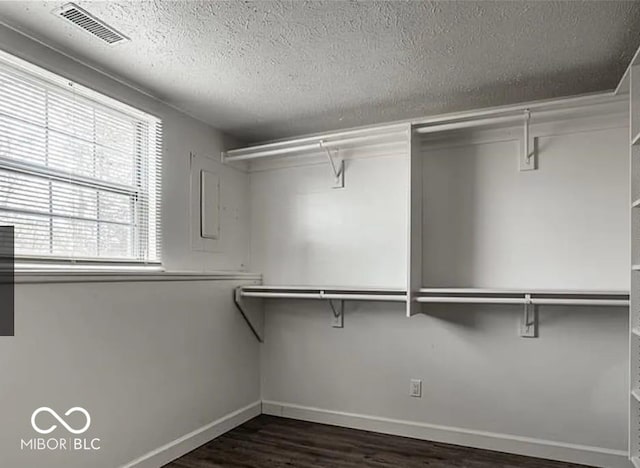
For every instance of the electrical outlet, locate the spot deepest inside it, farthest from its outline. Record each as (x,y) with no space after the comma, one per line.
(416,388)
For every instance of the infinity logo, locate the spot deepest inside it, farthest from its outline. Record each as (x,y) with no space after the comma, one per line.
(76,409)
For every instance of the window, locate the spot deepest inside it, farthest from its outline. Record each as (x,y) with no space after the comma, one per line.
(80,172)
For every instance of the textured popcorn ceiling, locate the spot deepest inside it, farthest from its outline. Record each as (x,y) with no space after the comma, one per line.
(267,69)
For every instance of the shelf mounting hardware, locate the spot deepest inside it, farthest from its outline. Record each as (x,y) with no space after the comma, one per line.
(336,164)
(253,312)
(250,300)
(337,318)
(528,154)
(529,323)
(337,313)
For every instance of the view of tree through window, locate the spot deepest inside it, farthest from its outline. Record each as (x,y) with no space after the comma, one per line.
(79,179)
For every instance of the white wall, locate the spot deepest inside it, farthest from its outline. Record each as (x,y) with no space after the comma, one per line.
(562,395)
(306,233)
(563,226)
(569,386)
(151,361)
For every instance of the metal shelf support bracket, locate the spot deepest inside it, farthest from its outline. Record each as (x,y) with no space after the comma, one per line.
(336,164)
(337,314)
(529,321)
(252,309)
(528,155)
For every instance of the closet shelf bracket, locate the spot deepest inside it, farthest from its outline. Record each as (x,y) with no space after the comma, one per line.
(337,313)
(252,309)
(528,153)
(529,323)
(336,164)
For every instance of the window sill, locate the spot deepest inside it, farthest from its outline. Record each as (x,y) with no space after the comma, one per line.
(57,276)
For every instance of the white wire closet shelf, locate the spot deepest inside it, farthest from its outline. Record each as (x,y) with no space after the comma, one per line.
(518,296)
(254,313)
(441,295)
(318,143)
(324,293)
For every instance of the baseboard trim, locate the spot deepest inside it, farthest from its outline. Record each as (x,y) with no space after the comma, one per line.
(574,453)
(185,444)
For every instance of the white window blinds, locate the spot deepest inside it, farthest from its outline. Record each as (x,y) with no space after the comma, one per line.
(80,173)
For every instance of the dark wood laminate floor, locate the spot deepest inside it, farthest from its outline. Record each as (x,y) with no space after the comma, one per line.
(268,441)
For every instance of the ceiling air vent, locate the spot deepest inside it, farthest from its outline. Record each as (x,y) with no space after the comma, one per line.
(90,23)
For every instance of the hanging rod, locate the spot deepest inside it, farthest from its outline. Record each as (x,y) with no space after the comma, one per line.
(544,105)
(534,301)
(437,123)
(539,292)
(343,297)
(443,295)
(528,327)
(316,143)
(582,302)
(253,311)
(535,297)
(512,116)
(342,294)
(470,300)
(435,128)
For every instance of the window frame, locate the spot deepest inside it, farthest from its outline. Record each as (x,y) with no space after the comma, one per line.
(147,176)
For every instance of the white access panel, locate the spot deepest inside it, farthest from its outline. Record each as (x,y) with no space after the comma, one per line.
(218,209)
